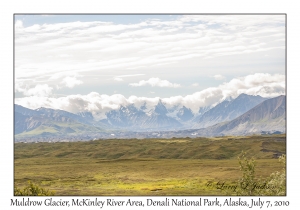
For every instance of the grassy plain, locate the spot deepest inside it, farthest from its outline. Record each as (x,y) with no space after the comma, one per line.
(143,167)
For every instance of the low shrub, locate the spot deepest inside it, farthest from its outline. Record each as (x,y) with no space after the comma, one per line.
(32,190)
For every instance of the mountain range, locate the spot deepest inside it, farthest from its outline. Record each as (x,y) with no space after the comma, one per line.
(243,115)
(227,110)
(268,116)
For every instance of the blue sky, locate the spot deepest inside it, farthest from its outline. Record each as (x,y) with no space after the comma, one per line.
(195,60)
(29,20)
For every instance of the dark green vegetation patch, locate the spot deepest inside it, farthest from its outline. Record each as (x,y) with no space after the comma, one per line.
(181,148)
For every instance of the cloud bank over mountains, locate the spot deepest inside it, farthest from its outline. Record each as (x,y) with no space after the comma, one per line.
(98,63)
(262,84)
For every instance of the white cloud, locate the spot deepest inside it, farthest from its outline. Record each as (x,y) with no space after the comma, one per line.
(71,82)
(19,87)
(60,75)
(68,53)
(118,79)
(100,46)
(219,77)
(155,82)
(39,90)
(130,75)
(93,102)
(19,24)
(265,85)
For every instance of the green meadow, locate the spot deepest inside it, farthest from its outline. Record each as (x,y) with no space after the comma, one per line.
(178,166)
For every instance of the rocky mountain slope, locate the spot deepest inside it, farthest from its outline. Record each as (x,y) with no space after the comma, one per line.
(227,110)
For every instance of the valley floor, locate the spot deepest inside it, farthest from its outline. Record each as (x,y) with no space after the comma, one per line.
(147,167)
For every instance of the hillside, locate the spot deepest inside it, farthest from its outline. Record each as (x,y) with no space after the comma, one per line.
(269,115)
(227,110)
(181,148)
